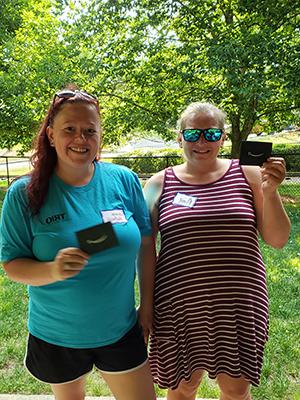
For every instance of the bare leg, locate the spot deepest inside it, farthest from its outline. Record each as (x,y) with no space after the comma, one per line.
(132,385)
(233,388)
(70,391)
(187,390)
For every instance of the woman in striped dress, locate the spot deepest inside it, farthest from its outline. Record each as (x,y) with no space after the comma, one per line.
(211,301)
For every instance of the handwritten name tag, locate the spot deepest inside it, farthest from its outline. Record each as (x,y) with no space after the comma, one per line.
(184,200)
(114,216)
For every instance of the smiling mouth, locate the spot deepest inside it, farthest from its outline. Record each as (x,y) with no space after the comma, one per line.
(78,150)
(201,151)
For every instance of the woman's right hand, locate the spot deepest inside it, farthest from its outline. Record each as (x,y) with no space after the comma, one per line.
(68,262)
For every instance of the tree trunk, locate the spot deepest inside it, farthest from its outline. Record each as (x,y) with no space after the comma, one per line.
(235,135)
(240,133)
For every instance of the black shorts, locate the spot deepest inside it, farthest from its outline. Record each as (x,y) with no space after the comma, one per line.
(57,364)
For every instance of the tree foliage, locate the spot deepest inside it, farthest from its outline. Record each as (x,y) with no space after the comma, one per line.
(32,65)
(146,60)
(10,21)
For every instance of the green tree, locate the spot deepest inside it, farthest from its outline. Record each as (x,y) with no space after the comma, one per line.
(161,55)
(146,60)
(30,61)
(10,21)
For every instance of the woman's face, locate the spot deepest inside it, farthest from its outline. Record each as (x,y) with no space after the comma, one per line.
(202,149)
(75,134)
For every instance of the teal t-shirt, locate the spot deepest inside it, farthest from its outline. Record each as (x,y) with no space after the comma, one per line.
(97,306)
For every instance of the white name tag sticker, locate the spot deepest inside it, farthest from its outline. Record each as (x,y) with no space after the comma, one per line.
(114,216)
(184,200)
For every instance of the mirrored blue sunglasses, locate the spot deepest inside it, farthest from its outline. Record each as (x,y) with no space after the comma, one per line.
(210,134)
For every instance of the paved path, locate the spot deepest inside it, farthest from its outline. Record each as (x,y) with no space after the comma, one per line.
(42,397)
(49,397)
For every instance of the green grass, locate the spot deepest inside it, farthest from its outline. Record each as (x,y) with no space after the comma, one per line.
(281,370)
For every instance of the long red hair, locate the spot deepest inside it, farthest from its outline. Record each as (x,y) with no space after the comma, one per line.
(44,158)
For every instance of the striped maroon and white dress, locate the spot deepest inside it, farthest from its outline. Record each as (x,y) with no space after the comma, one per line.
(211,301)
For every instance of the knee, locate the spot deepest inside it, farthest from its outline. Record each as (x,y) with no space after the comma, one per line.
(187,389)
(234,389)
(235,393)
(184,391)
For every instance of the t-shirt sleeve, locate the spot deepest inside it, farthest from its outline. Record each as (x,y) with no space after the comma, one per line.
(15,229)
(140,210)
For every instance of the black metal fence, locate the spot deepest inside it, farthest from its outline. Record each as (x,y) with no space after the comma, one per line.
(145,166)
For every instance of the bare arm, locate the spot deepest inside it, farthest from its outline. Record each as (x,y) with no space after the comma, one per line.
(146,265)
(273,223)
(146,271)
(152,192)
(67,263)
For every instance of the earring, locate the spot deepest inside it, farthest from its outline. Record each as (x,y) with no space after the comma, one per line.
(51,143)
(97,157)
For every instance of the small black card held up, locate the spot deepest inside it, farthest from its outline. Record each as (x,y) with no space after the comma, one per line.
(97,238)
(255,153)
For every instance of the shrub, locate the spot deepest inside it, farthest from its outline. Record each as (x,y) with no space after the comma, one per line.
(148,162)
(291,154)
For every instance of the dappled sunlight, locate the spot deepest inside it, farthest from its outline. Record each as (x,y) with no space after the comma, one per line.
(295,262)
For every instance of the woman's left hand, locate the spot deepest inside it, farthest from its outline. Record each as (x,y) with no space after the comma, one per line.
(273,172)
(146,319)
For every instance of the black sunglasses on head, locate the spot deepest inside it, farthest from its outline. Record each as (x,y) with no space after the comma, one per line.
(210,134)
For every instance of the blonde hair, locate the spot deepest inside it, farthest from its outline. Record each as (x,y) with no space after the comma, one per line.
(196,108)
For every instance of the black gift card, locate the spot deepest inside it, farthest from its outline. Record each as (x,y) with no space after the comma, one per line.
(255,153)
(97,238)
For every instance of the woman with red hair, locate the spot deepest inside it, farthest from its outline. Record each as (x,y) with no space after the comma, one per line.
(81,299)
